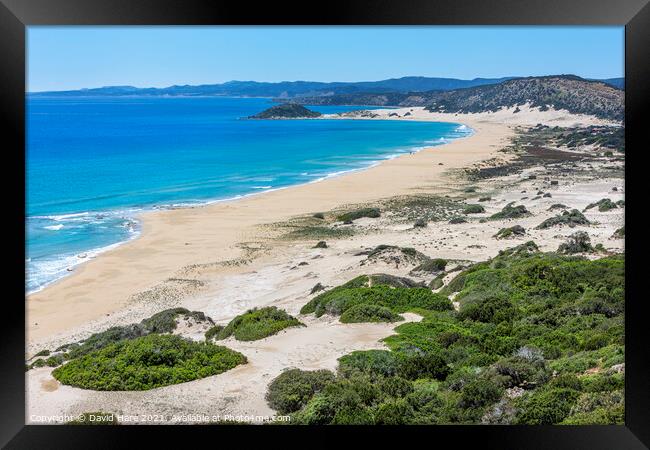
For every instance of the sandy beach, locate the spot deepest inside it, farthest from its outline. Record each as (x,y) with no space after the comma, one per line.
(225,258)
(172,240)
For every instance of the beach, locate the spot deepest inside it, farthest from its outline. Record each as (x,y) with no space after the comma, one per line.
(227,257)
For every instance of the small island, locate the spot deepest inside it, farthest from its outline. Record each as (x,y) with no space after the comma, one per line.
(286,111)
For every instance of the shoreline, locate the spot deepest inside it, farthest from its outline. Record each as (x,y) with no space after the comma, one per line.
(96,252)
(175,239)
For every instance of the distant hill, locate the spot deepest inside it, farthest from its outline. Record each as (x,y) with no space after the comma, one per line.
(284,89)
(286,111)
(575,94)
(571,93)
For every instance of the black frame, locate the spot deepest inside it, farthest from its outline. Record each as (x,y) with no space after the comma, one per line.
(15,15)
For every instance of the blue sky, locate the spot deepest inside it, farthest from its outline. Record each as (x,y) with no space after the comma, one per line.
(74,57)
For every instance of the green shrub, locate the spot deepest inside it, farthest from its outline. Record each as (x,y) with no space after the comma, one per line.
(426,365)
(619,233)
(570,218)
(473,209)
(523,371)
(369,313)
(55,360)
(546,407)
(337,301)
(292,389)
(506,233)
(147,362)
(603,205)
(479,393)
(510,212)
(491,309)
(257,324)
(431,266)
(394,412)
(371,362)
(395,387)
(358,214)
(213,331)
(353,416)
(457,219)
(578,242)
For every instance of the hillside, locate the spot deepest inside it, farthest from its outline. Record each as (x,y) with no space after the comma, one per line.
(286,111)
(284,89)
(291,89)
(574,94)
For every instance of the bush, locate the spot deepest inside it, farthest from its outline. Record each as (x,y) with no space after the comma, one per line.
(213,331)
(546,407)
(358,214)
(479,393)
(427,365)
(578,242)
(292,389)
(394,412)
(494,309)
(570,218)
(510,212)
(399,300)
(369,313)
(524,372)
(505,233)
(457,219)
(395,387)
(371,362)
(603,205)
(473,209)
(321,244)
(319,216)
(146,363)
(431,266)
(257,324)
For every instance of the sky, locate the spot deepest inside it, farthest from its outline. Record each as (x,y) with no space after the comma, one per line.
(75,57)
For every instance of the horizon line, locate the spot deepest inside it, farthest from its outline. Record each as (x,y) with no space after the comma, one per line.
(315,81)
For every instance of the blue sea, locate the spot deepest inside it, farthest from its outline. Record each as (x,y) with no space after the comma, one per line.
(94,164)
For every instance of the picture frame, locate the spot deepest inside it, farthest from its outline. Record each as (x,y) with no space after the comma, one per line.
(16,15)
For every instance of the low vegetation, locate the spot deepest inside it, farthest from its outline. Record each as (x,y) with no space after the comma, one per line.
(538,339)
(257,324)
(358,214)
(603,205)
(147,362)
(510,212)
(578,242)
(291,390)
(510,232)
(163,322)
(473,209)
(388,293)
(569,218)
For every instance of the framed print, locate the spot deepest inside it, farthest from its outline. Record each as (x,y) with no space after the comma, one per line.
(385,219)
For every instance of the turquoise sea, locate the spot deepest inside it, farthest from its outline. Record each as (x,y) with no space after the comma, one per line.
(94,164)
